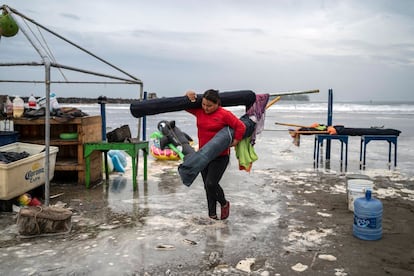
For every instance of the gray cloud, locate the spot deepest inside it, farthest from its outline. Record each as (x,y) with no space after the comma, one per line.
(248,31)
(71,16)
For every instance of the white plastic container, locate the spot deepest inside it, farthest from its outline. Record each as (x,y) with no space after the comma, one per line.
(21,176)
(54,104)
(32,103)
(354,176)
(18,107)
(9,107)
(357,189)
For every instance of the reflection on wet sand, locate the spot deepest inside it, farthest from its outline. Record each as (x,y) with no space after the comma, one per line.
(163,229)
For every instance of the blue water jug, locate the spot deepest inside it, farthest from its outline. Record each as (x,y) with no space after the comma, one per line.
(367,218)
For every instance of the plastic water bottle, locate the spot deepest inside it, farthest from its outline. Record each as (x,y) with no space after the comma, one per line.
(9,107)
(367,218)
(18,107)
(32,102)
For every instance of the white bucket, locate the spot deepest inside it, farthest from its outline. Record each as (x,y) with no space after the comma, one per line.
(353,176)
(356,189)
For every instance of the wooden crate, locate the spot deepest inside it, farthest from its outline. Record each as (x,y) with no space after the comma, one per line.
(70,156)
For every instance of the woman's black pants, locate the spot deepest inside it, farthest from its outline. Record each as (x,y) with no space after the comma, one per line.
(212,175)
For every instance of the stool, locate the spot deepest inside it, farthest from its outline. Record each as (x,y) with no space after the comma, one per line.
(319,143)
(131,148)
(365,139)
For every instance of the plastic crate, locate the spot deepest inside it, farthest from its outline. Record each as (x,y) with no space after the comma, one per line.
(21,176)
(8,137)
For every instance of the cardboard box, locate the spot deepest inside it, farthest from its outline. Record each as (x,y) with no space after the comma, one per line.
(21,176)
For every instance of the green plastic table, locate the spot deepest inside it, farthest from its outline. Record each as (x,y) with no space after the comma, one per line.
(131,148)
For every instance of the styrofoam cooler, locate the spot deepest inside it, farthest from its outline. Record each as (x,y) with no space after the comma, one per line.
(23,175)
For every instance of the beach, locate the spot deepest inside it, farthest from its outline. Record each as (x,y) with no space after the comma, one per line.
(286,218)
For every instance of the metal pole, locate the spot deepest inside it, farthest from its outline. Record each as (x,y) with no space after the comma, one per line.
(330,105)
(39,51)
(102,101)
(47,64)
(293,92)
(47,132)
(73,44)
(329,123)
(141,95)
(144,122)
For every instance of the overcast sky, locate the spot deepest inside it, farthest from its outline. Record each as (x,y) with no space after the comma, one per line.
(363,50)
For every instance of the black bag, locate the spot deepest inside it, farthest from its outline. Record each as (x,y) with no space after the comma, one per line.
(120,134)
(250,125)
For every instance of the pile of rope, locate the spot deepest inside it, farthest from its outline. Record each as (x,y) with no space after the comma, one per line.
(41,220)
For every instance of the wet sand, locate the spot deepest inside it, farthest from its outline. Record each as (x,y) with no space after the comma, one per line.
(281,222)
(286,218)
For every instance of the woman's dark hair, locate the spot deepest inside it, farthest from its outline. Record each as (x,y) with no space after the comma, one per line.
(212,95)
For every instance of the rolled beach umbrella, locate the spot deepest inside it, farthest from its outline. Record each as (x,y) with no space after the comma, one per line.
(140,108)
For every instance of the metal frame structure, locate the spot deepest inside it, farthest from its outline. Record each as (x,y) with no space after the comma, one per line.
(47,63)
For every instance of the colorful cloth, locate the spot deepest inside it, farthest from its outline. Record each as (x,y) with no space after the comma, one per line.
(257,111)
(246,154)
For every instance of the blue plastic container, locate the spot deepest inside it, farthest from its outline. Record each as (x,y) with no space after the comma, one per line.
(367,218)
(8,137)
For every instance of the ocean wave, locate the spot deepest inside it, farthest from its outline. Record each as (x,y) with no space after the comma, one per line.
(346,108)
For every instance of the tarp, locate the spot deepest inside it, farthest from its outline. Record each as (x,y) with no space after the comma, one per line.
(341,130)
(351,131)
